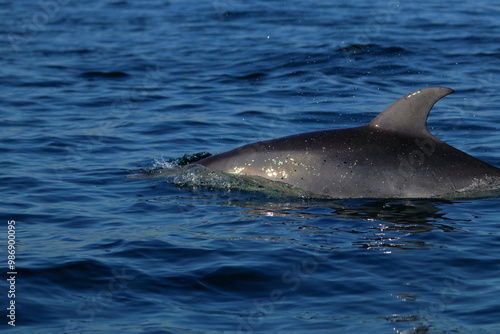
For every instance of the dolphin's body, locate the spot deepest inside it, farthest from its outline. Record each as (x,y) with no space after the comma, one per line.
(394,156)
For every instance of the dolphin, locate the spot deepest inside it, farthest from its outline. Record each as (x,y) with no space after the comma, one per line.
(393,156)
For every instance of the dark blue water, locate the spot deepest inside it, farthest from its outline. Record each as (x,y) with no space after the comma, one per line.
(94,92)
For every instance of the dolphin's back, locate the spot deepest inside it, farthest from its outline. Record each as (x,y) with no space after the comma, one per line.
(392,156)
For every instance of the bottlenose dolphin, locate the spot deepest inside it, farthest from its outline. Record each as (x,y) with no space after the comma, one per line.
(394,156)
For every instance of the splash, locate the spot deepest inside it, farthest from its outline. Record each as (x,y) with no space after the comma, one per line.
(183,172)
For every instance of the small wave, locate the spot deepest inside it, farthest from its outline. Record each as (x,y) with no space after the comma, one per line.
(112,74)
(371,48)
(251,76)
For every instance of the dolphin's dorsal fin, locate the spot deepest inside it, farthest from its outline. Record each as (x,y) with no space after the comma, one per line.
(409,113)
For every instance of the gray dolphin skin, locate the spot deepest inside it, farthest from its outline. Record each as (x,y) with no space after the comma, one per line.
(394,156)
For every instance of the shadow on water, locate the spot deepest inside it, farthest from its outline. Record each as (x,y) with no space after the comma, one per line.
(405,212)
(359,216)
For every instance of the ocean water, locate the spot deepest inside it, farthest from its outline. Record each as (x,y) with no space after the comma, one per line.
(97,93)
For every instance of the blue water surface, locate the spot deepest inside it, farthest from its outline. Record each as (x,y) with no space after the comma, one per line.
(95,93)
